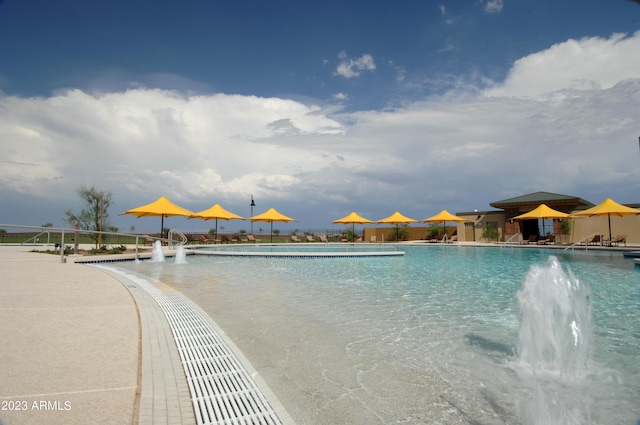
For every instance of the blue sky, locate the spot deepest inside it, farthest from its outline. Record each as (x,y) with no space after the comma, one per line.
(317,109)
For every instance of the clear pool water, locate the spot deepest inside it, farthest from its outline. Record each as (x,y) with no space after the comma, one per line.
(429,337)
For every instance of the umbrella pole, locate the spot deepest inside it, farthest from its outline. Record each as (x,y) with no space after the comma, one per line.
(609,215)
(162,226)
(271,236)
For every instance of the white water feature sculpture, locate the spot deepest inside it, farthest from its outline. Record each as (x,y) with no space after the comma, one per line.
(157,255)
(554,347)
(181,255)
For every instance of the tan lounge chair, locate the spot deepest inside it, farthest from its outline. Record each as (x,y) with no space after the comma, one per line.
(252,238)
(617,240)
(204,239)
(373,239)
(310,238)
(549,240)
(294,238)
(533,239)
(323,238)
(596,240)
(148,239)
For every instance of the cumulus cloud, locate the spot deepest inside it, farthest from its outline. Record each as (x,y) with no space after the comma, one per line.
(559,123)
(494,6)
(588,63)
(350,68)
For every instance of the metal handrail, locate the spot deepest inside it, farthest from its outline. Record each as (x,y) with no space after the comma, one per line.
(63,230)
(586,245)
(36,237)
(179,233)
(509,240)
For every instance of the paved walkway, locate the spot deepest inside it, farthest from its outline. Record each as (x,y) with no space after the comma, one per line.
(72,351)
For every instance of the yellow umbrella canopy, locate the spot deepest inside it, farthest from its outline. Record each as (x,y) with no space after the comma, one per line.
(352,219)
(444,216)
(396,218)
(608,207)
(216,212)
(161,207)
(541,211)
(270,216)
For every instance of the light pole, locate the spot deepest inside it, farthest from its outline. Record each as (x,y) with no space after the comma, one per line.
(253,204)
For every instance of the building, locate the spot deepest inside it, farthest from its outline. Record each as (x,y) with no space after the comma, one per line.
(509,229)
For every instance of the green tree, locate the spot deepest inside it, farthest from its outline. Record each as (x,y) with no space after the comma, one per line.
(490,233)
(348,233)
(400,233)
(94,215)
(435,231)
(565,226)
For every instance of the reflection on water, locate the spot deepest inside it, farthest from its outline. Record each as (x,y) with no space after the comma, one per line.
(424,338)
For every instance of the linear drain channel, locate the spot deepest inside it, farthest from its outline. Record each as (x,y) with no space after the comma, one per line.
(222,391)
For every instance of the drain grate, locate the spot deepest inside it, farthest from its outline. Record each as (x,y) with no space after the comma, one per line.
(222,391)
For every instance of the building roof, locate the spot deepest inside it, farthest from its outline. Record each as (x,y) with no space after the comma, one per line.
(537,198)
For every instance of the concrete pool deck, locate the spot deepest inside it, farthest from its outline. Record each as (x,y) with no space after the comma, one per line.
(86,345)
(81,346)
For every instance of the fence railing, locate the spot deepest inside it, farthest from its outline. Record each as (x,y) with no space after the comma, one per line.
(510,240)
(75,236)
(585,241)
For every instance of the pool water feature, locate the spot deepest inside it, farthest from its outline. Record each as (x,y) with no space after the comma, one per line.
(431,337)
(181,255)
(157,256)
(554,346)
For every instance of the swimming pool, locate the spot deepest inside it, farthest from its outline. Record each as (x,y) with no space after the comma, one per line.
(429,337)
(304,250)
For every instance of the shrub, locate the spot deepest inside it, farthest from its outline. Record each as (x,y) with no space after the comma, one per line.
(490,234)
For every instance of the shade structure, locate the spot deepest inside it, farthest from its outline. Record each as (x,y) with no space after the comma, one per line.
(541,212)
(397,219)
(270,216)
(216,213)
(161,207)
(352,219)
(444,216)
(608,207)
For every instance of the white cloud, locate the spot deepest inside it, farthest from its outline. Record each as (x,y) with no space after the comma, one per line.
(350,68)
(558,124)
(340,97)
(574,64)
(494,6)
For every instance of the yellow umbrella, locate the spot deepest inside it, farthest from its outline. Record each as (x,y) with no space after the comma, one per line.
(216,212)
(161,207)
(396,218)
(444,216)
(352,219)
(608,207)
(270,216)
(543,212)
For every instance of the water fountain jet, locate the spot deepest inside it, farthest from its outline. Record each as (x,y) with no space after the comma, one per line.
(554,346)
(181,255)
(157,256)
